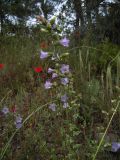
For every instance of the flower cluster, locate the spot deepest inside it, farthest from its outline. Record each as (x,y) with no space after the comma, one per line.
(56,73)
(18,120)
(64,69)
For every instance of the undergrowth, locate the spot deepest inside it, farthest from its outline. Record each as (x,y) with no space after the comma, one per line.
(69,131)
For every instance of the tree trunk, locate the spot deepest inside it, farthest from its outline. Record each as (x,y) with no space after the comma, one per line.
(79,14)
(2,17)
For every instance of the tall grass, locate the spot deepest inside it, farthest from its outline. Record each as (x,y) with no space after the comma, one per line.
(42,132)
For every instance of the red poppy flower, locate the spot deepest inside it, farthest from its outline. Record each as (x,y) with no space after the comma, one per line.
(1,66)
(43,45)
(38,69)
(13,109)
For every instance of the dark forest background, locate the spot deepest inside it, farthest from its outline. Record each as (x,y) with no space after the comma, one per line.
(81,17)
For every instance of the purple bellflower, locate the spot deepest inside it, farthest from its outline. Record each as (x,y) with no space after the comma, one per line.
(65,105)
(48,84)
(52,107)
(64,68)
(18,122)
(115,147)
(5,110)
(43,54)
(64,81)
(19,119)
(18,125)
(54,75)
(50,70)
(64,98)
(65,42)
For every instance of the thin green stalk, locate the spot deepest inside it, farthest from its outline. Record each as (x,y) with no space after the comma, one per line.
(8,143)
(84,47)
(101,141)
(5,96)
(114,58)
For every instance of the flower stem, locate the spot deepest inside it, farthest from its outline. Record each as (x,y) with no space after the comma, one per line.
(29,116)
(101,141)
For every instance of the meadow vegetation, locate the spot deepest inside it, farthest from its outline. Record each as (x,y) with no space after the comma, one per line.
(31,128)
